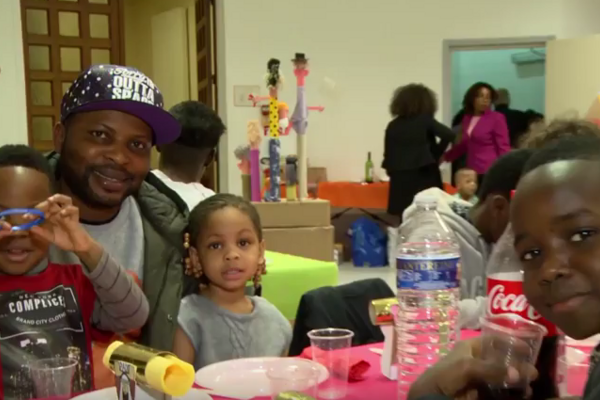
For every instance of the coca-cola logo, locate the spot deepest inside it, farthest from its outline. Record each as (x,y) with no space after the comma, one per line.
(500,302)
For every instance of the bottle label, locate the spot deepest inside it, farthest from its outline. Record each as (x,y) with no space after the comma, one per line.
(506,297)
(428,274)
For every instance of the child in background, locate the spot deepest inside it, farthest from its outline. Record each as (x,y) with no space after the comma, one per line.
(49,310)
(220,323)
(466,184)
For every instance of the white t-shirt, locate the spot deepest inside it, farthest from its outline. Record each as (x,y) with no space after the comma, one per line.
(191,193)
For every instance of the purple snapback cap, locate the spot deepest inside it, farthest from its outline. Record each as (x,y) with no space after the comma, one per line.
(114,87)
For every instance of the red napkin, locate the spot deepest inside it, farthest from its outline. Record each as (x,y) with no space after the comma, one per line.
(357,367)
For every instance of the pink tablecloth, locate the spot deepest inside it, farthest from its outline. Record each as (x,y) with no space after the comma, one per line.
(377,386)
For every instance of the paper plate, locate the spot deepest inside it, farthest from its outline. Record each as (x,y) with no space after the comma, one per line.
(246,377)
(111,394)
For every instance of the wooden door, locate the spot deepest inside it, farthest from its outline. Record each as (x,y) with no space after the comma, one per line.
(60,39)
(207,78)
(572,79)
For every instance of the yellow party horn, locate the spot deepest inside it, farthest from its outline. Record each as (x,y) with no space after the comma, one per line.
(160,370)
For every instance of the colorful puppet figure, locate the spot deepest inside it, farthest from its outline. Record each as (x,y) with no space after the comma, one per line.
(274,80)
(299,120)
(254,139)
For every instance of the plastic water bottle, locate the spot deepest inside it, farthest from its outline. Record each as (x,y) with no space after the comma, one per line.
(428,281)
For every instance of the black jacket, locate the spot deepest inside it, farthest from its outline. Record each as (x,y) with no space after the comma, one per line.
(517,122)
(410,143)
(344,306)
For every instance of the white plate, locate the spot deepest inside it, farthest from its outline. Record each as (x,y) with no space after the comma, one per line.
(245,377)
(111,394)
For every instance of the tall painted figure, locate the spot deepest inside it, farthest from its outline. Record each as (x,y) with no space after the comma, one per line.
(299,120)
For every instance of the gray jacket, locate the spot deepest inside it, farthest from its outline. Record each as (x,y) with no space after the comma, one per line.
(164,219)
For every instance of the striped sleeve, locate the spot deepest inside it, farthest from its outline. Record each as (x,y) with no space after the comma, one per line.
(121,305)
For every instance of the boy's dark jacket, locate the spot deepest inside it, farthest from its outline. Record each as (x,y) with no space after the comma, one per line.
(164,218)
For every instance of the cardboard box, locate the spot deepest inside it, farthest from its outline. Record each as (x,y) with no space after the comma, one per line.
(316,174)
(311,242)
(294,214)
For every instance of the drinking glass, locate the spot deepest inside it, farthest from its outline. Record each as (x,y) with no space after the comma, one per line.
(573,372)
(331,348)
(512,341)
(53,378)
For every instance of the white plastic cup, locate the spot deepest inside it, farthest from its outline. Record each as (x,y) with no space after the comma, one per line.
(53,378)
(331,348)
(513,341)
(293,375)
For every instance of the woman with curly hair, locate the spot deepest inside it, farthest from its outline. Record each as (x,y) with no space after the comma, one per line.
(484,132)
(414,142)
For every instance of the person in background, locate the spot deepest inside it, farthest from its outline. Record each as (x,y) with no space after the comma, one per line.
(110,119)
(466,184)
(555,218)
(183,162)
(484,132)
(477,227)
(517,121)
(220,322)
(70,304)
(559,129)
(414,143)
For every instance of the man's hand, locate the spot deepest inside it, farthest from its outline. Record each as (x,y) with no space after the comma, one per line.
(460,373)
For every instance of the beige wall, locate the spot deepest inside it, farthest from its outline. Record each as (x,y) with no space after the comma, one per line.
(359,53)
(13,104)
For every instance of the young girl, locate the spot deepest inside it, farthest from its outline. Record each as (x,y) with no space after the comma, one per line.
(220,323)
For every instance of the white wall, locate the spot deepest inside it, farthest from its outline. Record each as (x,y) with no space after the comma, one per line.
(526,82)
(367,49)
(13,104)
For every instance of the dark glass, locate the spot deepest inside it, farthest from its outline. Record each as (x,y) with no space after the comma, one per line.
(544,387)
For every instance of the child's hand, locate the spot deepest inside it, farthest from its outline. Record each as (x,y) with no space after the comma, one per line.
(62,227)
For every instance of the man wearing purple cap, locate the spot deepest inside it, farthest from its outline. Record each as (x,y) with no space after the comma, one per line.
(111,117)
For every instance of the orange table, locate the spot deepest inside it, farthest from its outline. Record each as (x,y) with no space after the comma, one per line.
(355,195)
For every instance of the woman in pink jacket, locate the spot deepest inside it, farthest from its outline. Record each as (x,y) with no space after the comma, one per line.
(484,132)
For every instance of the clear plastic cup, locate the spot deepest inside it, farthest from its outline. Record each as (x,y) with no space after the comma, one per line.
(53,378)
(293,375)
(513,341)
(573,370)
(331,348)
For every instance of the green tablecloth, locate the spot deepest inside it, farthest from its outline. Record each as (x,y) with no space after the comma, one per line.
(289,277)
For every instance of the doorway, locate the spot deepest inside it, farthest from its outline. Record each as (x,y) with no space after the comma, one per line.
(521,71)
(451,46)
(503,62)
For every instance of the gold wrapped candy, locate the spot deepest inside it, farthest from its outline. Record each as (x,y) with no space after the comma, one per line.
(380,311)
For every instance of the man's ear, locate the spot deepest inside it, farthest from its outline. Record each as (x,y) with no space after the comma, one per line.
(59,133)
(211,156)
(500,204)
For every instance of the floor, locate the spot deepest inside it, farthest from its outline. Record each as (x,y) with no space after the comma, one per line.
(350,273)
